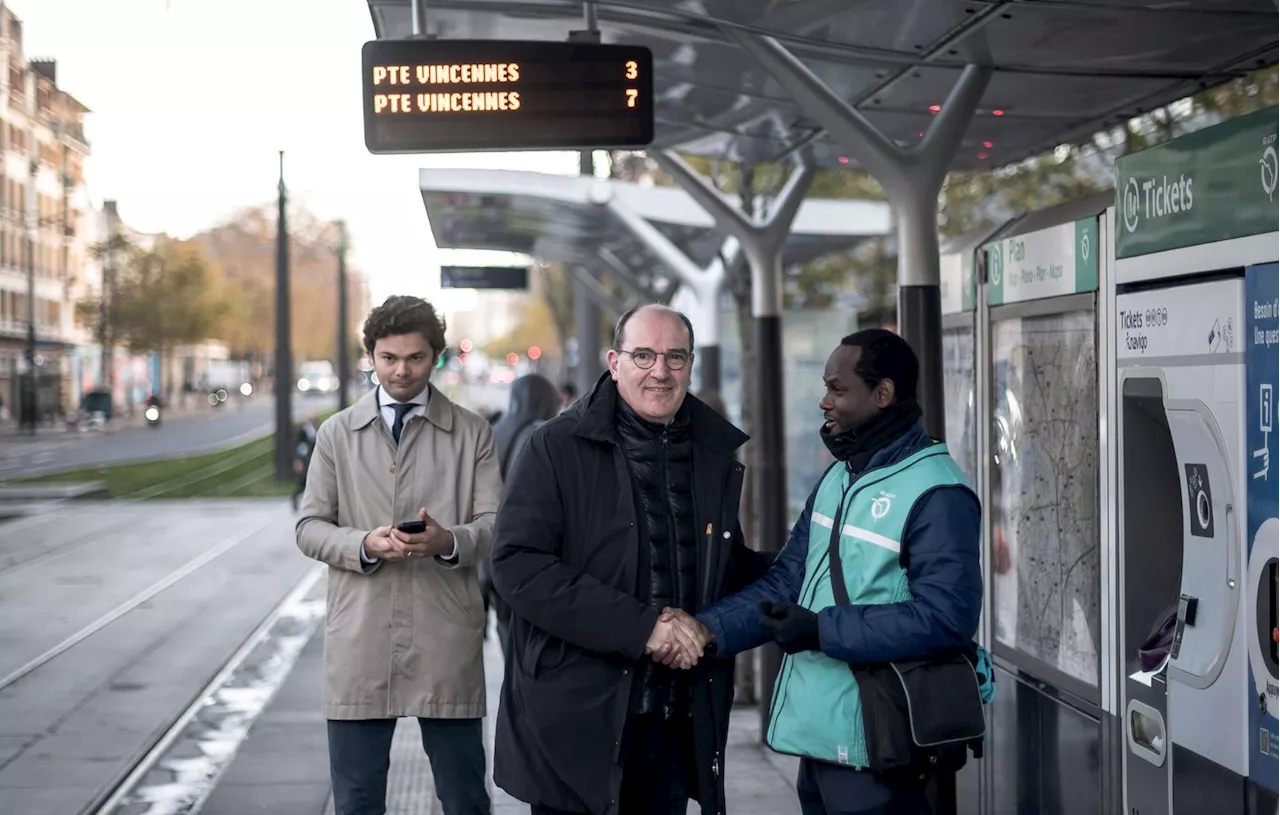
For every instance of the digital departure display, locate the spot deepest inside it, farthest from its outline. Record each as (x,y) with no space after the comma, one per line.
(431,96)
(484,277)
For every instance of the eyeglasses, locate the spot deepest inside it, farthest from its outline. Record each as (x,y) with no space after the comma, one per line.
(644,358)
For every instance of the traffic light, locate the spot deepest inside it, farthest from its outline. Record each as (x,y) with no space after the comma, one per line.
(535,352)
(513,358)
(465,346)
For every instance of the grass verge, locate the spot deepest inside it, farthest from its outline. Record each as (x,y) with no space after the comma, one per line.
(244,471)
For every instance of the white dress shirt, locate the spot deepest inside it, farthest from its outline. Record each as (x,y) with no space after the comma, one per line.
(388,414)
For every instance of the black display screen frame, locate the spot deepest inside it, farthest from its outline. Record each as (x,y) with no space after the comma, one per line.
(510,278)
(565,95)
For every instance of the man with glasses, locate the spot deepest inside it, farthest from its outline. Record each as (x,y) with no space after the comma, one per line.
(621,513)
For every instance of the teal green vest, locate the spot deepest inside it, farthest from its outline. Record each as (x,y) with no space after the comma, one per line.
(816,711)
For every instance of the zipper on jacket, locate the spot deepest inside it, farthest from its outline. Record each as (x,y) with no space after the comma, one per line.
(673,557)
(673,532)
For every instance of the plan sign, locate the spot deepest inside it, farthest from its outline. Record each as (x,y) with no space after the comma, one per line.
(1212,185)
(1185,321)
(1051,262)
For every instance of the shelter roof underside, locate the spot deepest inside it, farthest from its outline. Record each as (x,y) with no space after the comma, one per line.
(1064,69)
(566,219)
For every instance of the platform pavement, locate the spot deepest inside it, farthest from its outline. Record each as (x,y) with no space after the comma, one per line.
(282,766)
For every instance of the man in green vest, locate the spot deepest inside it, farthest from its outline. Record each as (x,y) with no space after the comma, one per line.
(909,529)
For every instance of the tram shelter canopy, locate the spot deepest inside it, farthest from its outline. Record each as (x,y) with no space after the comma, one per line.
(567,219)
(1063,69)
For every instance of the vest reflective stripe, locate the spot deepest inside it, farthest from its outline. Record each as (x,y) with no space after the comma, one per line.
(816,709)
(857,532)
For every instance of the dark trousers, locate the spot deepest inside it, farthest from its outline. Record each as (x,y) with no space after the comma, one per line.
(360,754)
(829,789)
(657,770)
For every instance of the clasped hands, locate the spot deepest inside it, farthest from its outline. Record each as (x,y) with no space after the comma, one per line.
(389,543)
(678,639)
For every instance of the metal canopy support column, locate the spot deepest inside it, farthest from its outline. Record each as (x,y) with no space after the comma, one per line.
(706,284)
(912,178)
(418,18)
(762,244)
(586,317)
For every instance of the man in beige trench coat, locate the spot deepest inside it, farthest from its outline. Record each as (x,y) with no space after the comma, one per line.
(405,620)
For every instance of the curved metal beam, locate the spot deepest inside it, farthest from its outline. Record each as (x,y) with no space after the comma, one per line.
(595,290)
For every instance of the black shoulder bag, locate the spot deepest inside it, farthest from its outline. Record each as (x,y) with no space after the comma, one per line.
(919,717)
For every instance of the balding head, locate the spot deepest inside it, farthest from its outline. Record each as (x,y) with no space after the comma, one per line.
(649,311)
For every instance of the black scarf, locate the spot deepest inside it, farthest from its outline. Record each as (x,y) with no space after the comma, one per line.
(856,447)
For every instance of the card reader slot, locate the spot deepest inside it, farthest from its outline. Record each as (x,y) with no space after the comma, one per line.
(1272,580)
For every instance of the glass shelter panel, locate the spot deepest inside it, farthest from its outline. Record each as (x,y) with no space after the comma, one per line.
(961,401)
(1043,511)
(809,337)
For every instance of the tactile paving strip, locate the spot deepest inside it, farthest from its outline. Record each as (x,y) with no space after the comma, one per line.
(410,787)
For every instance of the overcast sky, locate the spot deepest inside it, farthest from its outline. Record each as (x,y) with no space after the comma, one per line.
(193,99)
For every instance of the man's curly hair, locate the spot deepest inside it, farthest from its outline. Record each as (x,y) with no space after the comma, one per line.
(402,314)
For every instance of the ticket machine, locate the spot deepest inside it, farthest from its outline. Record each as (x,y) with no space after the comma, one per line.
(1181,378)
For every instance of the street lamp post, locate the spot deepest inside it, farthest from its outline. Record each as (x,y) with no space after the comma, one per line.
(107,372)
(28,410)
(344,340)
(284,350)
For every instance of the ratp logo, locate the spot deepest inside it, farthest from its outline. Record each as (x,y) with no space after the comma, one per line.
(995,263)
(1132,200)
(880,507)
(1267,169)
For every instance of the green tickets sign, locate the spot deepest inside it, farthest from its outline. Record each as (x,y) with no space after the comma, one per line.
(1211,185)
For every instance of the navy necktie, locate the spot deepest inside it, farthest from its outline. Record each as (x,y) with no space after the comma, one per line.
(402,409)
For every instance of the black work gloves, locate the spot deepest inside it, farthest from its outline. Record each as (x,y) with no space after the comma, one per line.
(793,627)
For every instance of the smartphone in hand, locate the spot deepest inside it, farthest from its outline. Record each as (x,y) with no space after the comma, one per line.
(412,527)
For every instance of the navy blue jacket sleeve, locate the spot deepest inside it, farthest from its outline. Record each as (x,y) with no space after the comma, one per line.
(735,620)
(941,543)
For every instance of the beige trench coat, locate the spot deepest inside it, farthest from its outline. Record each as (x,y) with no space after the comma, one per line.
(402,637)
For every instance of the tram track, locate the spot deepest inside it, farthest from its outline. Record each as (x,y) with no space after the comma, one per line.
(194,477)
(44,556)
(205,637)
(171,579)
(295,613)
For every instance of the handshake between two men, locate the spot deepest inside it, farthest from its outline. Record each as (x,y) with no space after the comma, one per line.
(678,639)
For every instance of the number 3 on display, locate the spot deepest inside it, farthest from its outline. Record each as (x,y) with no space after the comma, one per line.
(632,93)
(633,70)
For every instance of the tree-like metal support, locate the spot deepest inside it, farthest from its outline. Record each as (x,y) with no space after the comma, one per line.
(911,177)
(761,240)
(706,283)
